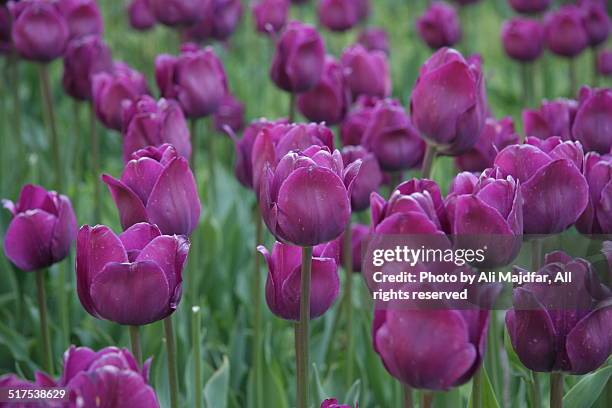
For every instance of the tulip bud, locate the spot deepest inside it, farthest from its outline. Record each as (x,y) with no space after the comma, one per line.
(366,72)
(85,57)
(597,217)
(40,31)
(374,39)
(333,403)
(140,15)
(154,123)
(529,6)
(368,178)
(439,26)
(83,17)
(564,31)
(299,58)
(329,99)
(338,15)
(270,16)
(202,30)
(495,135)
(178,12)
(356,122)
(604,63)
(134,278)
(42,229)
(283,283)
(230,114)
(593,123)
(448,103)
(157,186)
(554,191)
(523,39)
(196,78)
(5,29)
(569,322)
(554,118)
(111,91)
(226,16)
(358,233)
(596,23)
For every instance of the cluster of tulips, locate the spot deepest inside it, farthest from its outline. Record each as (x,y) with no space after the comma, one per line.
(309,191)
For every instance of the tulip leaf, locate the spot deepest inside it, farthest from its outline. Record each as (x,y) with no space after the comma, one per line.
(587,390)
(217,388)
(320,392)
(488,398)
(352,396)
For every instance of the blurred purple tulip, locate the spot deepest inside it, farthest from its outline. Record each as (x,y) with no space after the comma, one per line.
(134,278)
(554,191)
(5,29)
(358,233)
(553,118)
(368,179)
(596,22)
(523,38)
(11,381)
(562,326)
(328,101)
(42,230)
(597,217)
(374,39)
(565,32)
(148,122)
(83,17)
(299,58)
(178,12)
(230,113)
(111,91)
(354,125)
(338,15)
(366,72)
(157,186)
(39,31)
(270,16)
(529,6)
(448,103)
(283,283)
(495,135)
(226,16)
(604,63)
(196,78)
(439,26)
(463,3)
(85,57)
(593,123)
(333,403)
(140,15)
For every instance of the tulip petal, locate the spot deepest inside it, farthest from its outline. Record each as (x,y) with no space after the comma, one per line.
(604,209)
(28,239)
(138,236)
(65,230)
(131,208)
(76,359)
(140,176)
(34,197)
(589,344)
(521,161)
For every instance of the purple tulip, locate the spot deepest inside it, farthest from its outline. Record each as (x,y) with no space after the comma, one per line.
(328,101)
(523,39)
(597,217)
(299,58)
(374,39)
(439,26)
(554,191)
(270,16)
(230,114)
(153,123)
(196,78)
(368,179)
(596,22)
(11,381)
(367,72)
(604,62)
(338,15)
(358,233)
(529,6)
(448,103)
(5,29)
(40,31)
(111,91)
(392,138)
(464,3)
(178,12)
(593,123)
(42,230)
(333,403)
(283,283)
(554,118)
(570,323)
(83,17)
(226,16)
(85,57)
(134,278)
(202,30)
(140,15)
(495,135)
(157,186)
(304,200)
(354,125)
(564,31)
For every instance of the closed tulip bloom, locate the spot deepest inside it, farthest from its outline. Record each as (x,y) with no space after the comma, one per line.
(299,58)
(448,103)
(593,123)
(196,78)
(85,57)
(554,191)
(368,179)
(39,31)
(83,17)
(565,32)
(553,118)
(140,15)
(523,39)
(5,29)
(230,114)
(178,12)
(374,39)
(157,186)
(134,278)
(333,403)
(354,125)
(495,135)
(329,99)
(439,26)
(270,16)
(529,6)
(226,16)
(283,283)
(358,233)
(366,72)
(153,123)
(338,15)
(597,217)
(596,23)
(202,30)
(604,62)
(42,229)
(570,323)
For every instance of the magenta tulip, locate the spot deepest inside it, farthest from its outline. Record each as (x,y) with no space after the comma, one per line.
(85,57)
(333,403)
(439,26)
(565,32)
(226,16)
(338,15)
(140,15)
(529,6)
(83,17)
(354,125)
(178,12)
(367,72)
(368,179)
(523,39)
(593,123)
(230,114)
(604,63)
(374,39)
(597,217)
(553,118)
(270,16)
(596,22)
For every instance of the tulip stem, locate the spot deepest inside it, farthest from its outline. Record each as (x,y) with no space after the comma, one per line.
(427,399)
(135,343)
(573,80)
(302,359)
(95,163)
(536,254)
(556,390)
(535,392)
(44,324)
(595,70)
(257,318)
(430,155)
(527,85)
(291,113)
(171,350)
(76,160)
(51,126)
(477,389)
(408,403)
(13,68)
(348,301)
(197,355)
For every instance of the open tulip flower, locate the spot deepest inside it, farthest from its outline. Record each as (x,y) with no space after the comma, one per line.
(562,326)
(157,186)
(439,26)
(140,15)
(132,279)
(83,17)
(333,403)
(283,283)
(597,217)
(368,179)
(593,123)
(84,57)
(553,118)
(42,230)
(367,72)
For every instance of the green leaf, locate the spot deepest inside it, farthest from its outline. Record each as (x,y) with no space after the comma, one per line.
(488,398)
(217,388)
(319,390)
(352,396)
(587,390)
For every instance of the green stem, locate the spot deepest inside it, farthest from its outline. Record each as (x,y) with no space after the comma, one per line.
(595,70)
(536,398)
(427,401)
(477,389)
(76,159)
(408,403)
(257,321)
(63,303)
(536,254)
(430,155)
(291,113)
(44,324)
(171,350)
(95,163)
(556,390)
(302,330)
(197,355)
(573,80)
(13,68)
(135,343)
(348,301)
(51,126)
(527,87)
